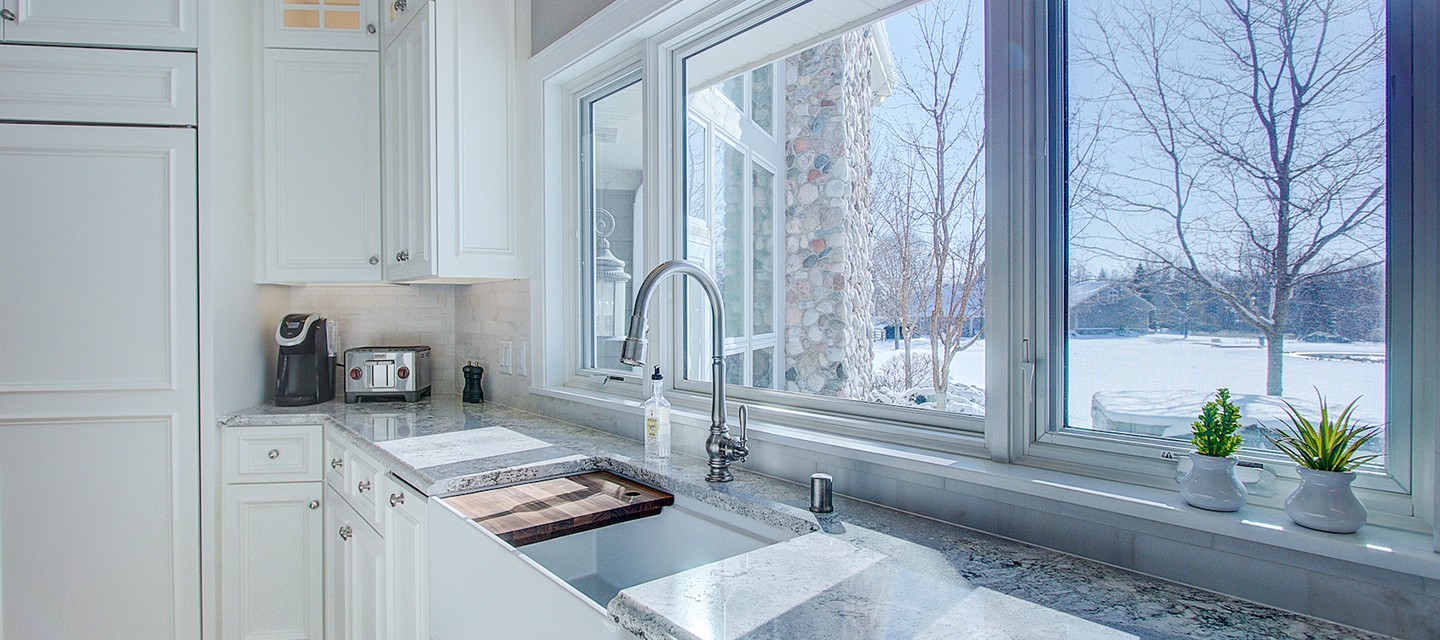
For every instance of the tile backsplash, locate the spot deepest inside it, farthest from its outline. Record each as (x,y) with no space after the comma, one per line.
(458,323)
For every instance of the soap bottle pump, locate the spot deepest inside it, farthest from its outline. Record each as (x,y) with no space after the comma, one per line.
(657,420)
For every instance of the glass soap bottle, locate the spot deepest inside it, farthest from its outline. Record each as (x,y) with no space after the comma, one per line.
(657,420)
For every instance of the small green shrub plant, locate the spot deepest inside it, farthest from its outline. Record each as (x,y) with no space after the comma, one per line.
(1215,430)
(1329,443)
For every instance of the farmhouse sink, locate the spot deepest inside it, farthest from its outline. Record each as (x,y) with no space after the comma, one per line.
(600,562)
(560,587)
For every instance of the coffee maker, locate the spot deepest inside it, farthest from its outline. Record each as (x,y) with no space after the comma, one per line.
(305,370)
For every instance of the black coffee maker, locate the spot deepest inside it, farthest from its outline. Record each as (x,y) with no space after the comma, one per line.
(305,370)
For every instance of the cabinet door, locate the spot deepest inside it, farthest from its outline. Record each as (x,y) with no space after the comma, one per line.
(406,558)
(338,532)
(409,91)
(354,574)
(322,24)
(153,24)
(271,561)
(321,220)
(100,424)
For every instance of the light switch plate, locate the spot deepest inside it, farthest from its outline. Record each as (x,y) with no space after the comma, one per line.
(506,356)
(522,356)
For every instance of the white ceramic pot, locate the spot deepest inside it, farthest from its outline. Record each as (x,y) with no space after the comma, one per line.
(1211,484)
(1324,501)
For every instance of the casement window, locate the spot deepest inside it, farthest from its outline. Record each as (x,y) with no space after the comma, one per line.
(1228,185)
(1037,232)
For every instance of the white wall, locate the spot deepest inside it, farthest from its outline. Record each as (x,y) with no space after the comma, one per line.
(237,316)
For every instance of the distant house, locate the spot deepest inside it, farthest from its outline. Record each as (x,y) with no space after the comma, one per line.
(1098,307)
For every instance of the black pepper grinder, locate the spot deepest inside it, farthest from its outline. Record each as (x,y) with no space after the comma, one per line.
(473,393)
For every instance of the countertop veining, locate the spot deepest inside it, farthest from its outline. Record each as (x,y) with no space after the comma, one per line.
(864,571)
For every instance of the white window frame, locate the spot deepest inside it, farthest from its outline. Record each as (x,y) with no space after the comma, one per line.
(1023,379)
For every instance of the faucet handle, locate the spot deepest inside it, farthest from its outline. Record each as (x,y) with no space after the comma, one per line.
(738,450)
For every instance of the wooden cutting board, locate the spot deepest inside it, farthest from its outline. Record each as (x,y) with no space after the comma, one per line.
(536,511)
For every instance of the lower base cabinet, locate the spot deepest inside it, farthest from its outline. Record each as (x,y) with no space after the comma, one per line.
(355,606)
(271,561)
(407,560)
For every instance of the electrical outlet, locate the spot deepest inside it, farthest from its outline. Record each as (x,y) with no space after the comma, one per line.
(522,358)
(506,356)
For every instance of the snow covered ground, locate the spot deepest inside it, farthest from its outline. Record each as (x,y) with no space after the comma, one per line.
(1201,364)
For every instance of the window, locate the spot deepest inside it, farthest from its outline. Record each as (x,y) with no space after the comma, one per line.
(612,171)
(848,243)
(1226,194)
(1154,235)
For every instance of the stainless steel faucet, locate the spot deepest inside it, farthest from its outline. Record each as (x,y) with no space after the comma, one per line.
(722,447)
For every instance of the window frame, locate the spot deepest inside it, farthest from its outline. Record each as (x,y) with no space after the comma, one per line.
(1023,379)
(585,172)
(1149,460)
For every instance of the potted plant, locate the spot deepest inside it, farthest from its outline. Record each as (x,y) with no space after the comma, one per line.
(1326,453)
(1211,483)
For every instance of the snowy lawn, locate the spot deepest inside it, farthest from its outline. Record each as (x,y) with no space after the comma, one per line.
(1198,364)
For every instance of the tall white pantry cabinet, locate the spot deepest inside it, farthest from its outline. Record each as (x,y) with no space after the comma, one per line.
(99,417)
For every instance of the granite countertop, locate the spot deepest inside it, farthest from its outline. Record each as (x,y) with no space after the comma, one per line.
(864,571)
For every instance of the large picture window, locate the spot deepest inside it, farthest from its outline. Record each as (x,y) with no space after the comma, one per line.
(1227,213)
(1049,249)
(835,190)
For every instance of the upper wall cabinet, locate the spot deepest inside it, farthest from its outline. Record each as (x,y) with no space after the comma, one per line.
(141,24)
(451,132)
(322,24)
(320,167)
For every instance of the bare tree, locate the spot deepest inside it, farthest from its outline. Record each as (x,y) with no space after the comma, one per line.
(1247,149)
(943,144)
(900,256)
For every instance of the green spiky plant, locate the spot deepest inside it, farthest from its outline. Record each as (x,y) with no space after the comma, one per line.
(1326,445)
(1215,430)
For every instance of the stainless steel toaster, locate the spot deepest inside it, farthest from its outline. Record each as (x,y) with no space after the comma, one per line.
(387,373)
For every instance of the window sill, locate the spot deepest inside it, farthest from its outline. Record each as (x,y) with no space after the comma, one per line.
(1401,551)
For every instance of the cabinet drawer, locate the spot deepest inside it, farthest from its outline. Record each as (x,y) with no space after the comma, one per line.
(109,86)
(357,479)
(272,454)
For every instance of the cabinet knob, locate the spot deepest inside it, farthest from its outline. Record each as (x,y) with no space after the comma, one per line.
(336,463)
(402,256)
(274,453)
(374,260)
(400,5)
(369,28)
(9,15)
(346,532)
(397,499)
(363,486)
(314,504)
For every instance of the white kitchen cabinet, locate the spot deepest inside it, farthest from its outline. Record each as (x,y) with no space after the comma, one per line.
(271,533)
(320,167)
(148,24)
(354,574)
(271,561)
(99,429)
(451,132)
(109,86)
(322,24)
(406,561)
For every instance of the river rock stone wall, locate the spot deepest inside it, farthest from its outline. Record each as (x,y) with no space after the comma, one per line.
(828,285)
